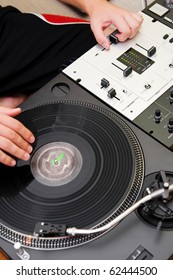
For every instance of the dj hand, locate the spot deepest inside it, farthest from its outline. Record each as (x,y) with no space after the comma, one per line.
(105,14)
(15,138)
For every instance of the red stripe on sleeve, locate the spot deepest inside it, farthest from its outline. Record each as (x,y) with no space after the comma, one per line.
(62,19)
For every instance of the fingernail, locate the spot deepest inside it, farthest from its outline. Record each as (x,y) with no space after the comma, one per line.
(106,46)
(31,139)
(26,156)
(139,14)
(29,149)
(13,163)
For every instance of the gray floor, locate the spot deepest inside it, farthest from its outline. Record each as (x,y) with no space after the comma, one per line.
(133,5)
(54,6)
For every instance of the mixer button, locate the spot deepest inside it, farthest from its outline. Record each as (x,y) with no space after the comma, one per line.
(170,125)
(157,115)
(147,86)
(165,36)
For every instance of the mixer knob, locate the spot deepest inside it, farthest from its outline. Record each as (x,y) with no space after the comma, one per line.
(157,116)
(151,51)
(127,71)
(147,86)
(170,125)
(113,38)
(104,83)
(112,93)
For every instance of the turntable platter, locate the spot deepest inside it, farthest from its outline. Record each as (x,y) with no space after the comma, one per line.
(86,168)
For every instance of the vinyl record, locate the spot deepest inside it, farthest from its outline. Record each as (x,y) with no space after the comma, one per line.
(86,168)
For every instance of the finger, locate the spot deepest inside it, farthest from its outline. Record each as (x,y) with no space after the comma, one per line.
(138,17)
(128,25)
(9,147)
(123,28)
(10,112)
(133,26)
(6,159)
(15,138)
(134,22)
(101,38)
(18,127)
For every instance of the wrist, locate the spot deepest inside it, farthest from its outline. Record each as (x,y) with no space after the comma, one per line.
(90,5)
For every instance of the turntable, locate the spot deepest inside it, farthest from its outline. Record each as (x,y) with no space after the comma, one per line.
(98,185)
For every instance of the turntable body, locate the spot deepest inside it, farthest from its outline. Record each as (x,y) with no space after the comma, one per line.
(99,147)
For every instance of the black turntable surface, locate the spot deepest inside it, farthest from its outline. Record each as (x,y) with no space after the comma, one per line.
(87,167)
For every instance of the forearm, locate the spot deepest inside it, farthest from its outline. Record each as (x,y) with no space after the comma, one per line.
(85,5)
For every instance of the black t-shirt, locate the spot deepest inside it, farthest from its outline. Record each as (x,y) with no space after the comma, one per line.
(33,50)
